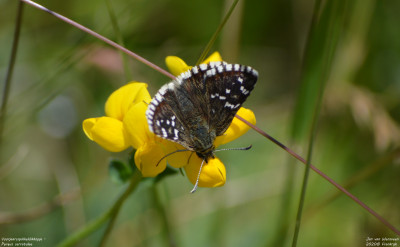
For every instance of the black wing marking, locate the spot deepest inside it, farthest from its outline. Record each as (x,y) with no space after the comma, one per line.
(228,86)
(163,117)
(206,97)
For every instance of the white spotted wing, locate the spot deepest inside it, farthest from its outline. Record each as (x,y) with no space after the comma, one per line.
(200,104)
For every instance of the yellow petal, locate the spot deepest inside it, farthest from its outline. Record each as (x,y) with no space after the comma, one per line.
(146,158)
(123,98)
(176,159)
(136,126)
(237,127)
(108,132)
(176,65)
(215,57)
(213,173)
(88,125)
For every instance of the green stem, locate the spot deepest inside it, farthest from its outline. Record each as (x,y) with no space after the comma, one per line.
(110,214)
(10,69)
(167,229)
(110,226)
(283,220)
(328,50)
(311,140)
(307,170)
(284,205)
(215,35)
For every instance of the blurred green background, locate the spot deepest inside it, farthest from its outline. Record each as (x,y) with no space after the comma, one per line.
(63,76)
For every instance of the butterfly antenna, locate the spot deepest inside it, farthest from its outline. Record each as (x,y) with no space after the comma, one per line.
(201,166)
(176,151)
(242,148)
(197,180)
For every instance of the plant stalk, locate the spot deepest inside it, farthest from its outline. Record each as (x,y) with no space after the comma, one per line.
(108,215)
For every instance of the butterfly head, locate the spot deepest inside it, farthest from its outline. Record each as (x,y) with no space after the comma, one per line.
(206,154)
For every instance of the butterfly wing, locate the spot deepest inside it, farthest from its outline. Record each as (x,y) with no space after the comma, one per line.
(165,118)
(228,86)
(177,111)
(200,103)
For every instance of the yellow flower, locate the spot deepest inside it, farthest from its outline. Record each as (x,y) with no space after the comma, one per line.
(125,125)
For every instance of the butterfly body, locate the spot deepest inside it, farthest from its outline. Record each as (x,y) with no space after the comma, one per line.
(200,104)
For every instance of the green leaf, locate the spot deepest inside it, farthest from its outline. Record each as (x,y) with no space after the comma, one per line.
(119,171)
(319,53)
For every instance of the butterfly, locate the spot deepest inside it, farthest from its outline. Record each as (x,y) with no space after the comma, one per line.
(200,104)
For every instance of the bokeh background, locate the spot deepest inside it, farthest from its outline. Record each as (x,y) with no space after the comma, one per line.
(54,180)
